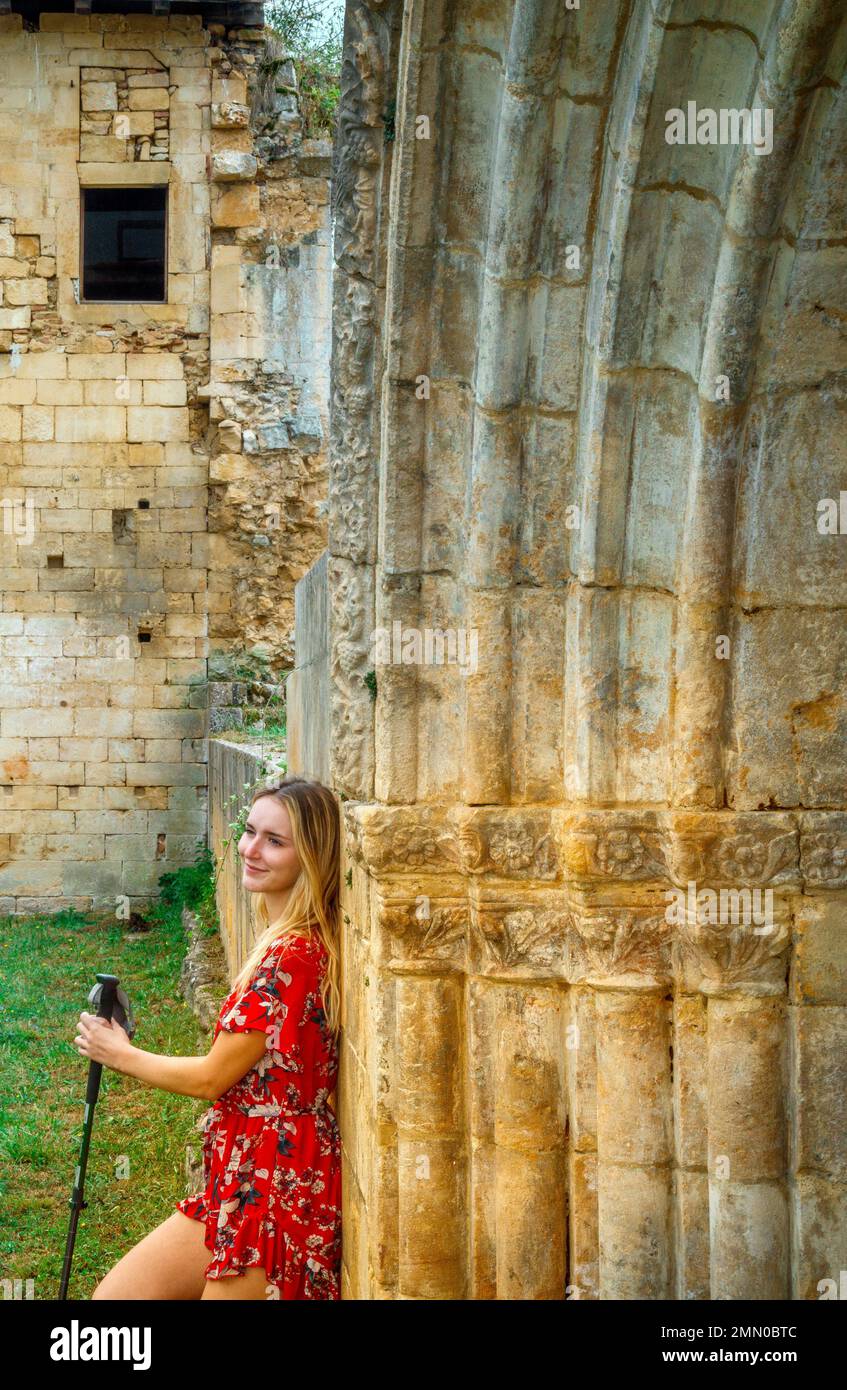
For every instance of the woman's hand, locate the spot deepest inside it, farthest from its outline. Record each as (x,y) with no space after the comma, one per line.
(102,1040)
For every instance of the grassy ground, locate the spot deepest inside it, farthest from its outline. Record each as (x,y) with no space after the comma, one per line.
(47,967)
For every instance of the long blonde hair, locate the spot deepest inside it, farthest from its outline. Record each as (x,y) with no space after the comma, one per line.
(314,903)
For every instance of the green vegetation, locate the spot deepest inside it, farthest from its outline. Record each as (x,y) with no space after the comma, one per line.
(265,725)
(312,33)
(48,965)
(258,722)
(251,666)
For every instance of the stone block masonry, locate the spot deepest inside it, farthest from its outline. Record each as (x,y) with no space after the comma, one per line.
(162,464)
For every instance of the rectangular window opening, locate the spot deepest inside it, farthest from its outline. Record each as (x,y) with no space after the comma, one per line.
(123,239)
(123,524)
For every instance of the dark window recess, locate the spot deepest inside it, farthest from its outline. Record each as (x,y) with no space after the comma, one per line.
(123,244)
(161,846)
(123,524)
(143,504)
(55,562)
(144,636)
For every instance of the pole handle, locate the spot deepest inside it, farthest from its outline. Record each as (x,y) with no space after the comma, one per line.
(105,1009)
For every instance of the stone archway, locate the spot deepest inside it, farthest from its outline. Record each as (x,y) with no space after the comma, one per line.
(588,403)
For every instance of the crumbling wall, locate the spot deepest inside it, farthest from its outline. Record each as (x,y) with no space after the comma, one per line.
(268,392)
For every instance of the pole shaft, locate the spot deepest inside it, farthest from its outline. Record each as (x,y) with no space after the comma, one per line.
(95,1071)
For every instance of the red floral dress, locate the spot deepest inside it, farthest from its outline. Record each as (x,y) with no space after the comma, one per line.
(271,1144)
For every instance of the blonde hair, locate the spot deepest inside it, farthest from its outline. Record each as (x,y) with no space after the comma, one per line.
(314,903)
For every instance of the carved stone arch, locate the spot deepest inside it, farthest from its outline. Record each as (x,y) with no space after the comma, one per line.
(535,1031)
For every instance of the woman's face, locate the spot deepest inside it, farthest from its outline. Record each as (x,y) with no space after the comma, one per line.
(267,849)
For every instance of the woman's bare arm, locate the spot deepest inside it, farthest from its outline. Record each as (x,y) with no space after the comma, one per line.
(185,1076)
(230,1057)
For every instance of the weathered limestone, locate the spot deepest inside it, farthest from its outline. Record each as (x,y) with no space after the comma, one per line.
(307,688)
(230,767)
(587,394)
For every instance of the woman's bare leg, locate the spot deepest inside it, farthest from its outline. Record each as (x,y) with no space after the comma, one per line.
(252,1283)
(170,1262)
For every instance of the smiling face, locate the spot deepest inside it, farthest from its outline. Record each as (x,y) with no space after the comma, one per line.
(270,861)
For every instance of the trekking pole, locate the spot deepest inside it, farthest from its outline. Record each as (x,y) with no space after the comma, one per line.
(112,1003)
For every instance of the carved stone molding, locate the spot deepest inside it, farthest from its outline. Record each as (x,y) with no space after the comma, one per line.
(361,158)
(532,892)
(767,849)
(608,849)
(823,849)
(708,847)
(351,603)
(553,934)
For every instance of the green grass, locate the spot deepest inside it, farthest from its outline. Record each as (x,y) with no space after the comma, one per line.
(47,967)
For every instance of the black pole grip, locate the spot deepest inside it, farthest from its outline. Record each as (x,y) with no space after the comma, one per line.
(105,1009)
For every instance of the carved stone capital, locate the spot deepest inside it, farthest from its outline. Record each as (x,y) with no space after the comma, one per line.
(616,899)
(718,959)
(629,946)
(516,934)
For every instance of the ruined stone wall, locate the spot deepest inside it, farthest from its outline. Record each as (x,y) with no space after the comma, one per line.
(269,374)
(588,405)
(160,464)
(230,767)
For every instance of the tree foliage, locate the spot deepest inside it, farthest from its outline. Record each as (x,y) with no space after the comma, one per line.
(312,32)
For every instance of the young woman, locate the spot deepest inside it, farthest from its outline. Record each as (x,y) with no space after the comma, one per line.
(270,1210)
